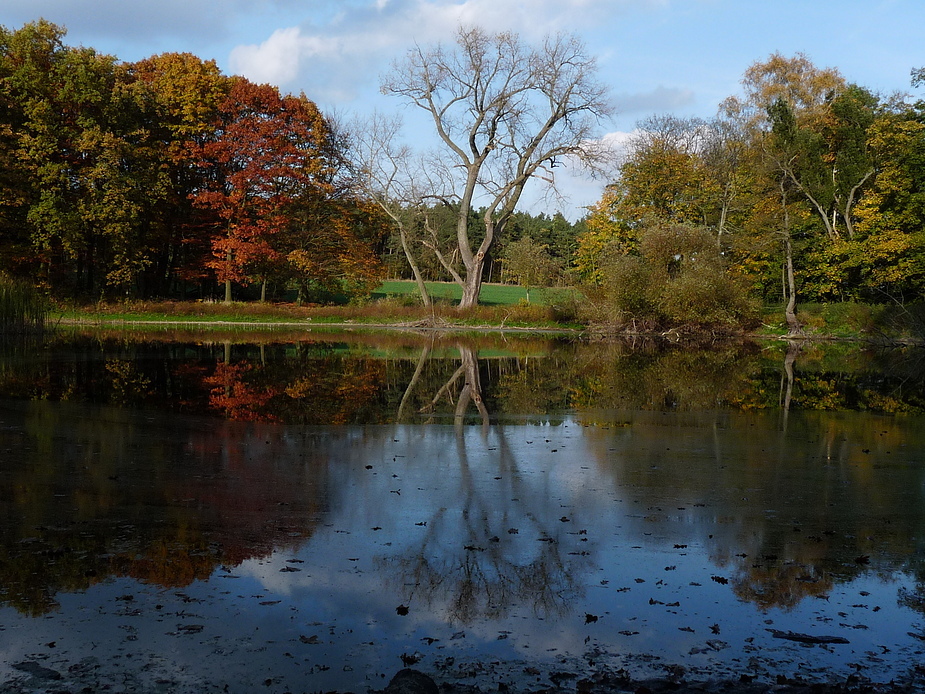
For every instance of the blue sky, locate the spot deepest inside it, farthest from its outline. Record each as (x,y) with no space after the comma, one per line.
(658,56)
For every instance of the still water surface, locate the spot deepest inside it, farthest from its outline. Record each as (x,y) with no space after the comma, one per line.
(313,514)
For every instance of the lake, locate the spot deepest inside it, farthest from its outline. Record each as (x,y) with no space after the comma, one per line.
(314,511)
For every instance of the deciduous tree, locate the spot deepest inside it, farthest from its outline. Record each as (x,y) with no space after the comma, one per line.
(504,113)
(266,152)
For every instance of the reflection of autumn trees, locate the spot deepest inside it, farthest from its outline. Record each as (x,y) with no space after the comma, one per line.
(88,495)
(219,515)
(231,393)
(363,378)
(785,513)
(782,586)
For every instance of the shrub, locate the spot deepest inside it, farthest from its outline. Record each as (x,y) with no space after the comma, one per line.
(679,277)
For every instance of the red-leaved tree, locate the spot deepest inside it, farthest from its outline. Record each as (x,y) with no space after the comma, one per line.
(267,153)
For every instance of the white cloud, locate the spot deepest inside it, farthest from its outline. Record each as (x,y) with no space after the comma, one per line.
(276,60)
(336,59)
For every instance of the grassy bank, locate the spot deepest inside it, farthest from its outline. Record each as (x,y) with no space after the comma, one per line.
(490,294)
(504,307)
(388,312)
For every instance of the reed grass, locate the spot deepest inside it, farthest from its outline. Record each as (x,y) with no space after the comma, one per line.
(22,309)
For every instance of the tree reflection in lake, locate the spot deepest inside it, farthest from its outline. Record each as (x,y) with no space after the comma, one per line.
(609,500)
(471,560)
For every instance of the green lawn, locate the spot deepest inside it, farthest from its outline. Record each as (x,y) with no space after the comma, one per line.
(491,294)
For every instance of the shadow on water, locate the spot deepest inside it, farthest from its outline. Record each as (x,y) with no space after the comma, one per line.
(534,493)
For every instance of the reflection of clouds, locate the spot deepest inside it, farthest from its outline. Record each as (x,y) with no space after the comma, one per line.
(431,497)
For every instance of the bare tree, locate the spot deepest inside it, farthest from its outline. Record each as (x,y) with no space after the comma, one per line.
(384,169)
(504,113)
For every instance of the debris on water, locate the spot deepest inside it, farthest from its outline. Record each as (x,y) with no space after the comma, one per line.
(187,629)
(722,580)
(411,659)
(310,640)
(30,667)
(401,610)
(806,638)
(590,618)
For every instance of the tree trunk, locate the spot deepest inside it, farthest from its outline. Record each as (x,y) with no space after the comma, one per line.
(419,280)
(794,329)
(793,325)
(473,283)
(228,281)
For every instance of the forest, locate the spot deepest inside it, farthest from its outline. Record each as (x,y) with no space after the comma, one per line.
(165,178)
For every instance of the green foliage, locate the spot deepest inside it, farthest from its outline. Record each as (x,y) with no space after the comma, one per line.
(101,162)
(679,278)
(530,264)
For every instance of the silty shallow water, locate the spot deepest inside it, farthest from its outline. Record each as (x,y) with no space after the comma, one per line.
(146,550)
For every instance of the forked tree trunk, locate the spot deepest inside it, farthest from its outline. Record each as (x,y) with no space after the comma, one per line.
(472,284)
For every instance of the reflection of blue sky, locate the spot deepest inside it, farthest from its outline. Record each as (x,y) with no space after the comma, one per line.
(619,555)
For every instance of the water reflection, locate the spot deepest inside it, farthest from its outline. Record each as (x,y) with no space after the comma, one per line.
(671,504)
(362,379)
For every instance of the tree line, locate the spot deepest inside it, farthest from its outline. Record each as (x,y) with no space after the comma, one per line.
(166,178)
(806,185)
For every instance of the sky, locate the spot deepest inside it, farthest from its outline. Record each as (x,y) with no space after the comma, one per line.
(680,57)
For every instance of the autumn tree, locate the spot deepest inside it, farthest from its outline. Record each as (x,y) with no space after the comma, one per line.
(504,113)
(662,174)
(182,94)
(266,152)
(83,174)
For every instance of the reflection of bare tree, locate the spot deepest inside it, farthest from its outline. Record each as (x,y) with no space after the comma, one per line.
(786,385)
(416,376)
(492,551)
(471,391)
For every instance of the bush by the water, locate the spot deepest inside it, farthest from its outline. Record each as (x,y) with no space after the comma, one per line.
(679,277)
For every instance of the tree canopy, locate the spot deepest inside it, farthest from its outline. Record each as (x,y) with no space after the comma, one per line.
(165,177)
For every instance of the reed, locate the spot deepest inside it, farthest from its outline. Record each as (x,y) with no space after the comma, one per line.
(22,308)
